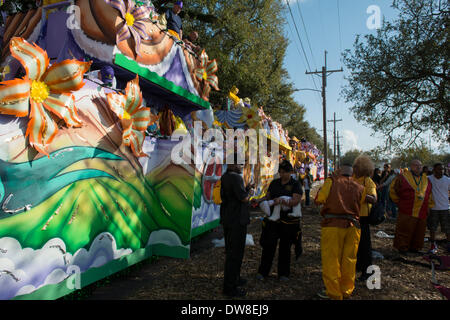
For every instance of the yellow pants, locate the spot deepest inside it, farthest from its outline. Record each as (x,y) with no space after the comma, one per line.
(339,247)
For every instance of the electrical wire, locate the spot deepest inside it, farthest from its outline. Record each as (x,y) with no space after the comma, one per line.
(340,32)
(306,33)
(298,49)
(301,42)
(298,34)
(340,48)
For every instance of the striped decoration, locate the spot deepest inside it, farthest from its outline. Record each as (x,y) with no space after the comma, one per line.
(135,117)
(230,118)
(133,22)
(206,73)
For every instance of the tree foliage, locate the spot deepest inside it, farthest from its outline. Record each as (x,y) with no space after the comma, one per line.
(403,157)
(423,153)
(248,43)
(399,82)
(350,156)
(14,6)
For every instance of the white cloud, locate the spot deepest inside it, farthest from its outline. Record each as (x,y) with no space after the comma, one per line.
(350,141)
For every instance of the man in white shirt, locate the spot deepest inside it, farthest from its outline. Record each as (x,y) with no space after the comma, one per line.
(440,212)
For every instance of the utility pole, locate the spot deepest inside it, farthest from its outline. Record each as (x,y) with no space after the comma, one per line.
(339,148)
(325,73)
(334,150)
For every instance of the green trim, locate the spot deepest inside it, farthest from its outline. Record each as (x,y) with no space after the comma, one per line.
(133,66)
(173,252)
(55,291)
(204,228)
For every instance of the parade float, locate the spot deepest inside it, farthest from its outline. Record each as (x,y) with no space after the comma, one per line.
(301,153)
(92,92)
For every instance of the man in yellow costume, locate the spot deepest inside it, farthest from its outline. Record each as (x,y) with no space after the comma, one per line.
(341,197)
(411,191)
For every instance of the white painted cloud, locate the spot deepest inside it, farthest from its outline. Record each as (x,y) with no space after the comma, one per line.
(23,270)
(166,237)
(350,141)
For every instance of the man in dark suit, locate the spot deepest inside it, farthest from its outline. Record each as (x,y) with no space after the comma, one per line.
(234,217)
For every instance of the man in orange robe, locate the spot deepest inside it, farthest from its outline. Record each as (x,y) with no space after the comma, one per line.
(411,191)
(341,198)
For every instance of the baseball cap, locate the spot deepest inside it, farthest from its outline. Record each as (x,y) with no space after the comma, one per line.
(107,74)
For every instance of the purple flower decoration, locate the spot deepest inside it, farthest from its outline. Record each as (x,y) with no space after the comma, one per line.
(133,21)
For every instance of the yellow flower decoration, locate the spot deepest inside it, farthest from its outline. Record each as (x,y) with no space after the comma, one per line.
(216,122)
(44,94)
(251,117)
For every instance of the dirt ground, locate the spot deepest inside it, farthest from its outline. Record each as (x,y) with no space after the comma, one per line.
(201,276)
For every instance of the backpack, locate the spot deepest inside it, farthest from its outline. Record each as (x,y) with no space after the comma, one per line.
(376,214)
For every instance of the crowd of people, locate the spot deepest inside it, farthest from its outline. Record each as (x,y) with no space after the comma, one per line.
(415,197)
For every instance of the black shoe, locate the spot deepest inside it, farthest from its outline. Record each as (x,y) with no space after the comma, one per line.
(237,292)
(242,282)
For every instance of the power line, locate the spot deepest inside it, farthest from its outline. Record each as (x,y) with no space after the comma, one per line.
(298,33)
(292,32)
(301,42)
(340,33)
(306,33)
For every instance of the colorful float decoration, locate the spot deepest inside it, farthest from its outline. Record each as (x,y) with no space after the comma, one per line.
(205,73)
(135,118)
(132,23)
(42,92)
(86,177)
(301,153)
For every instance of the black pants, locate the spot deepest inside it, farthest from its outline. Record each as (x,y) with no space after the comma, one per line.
(364,256)
(287,234)
(235,237)
(307,197)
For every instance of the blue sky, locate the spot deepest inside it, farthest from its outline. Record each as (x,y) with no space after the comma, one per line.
(326,33)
